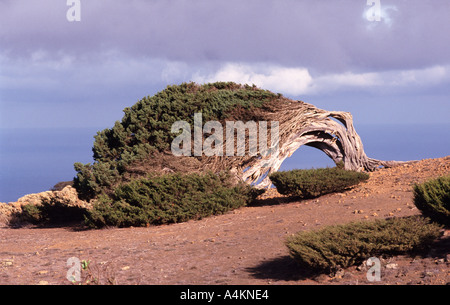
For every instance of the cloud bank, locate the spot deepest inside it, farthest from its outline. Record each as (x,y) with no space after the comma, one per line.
(322,36)
(299,81)
(121,51)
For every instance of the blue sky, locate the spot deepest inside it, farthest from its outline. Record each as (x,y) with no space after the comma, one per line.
(55,73)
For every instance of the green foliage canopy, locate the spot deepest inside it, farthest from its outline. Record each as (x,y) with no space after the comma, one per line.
(145,128)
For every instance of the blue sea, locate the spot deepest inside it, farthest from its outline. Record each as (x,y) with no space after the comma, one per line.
(34,160)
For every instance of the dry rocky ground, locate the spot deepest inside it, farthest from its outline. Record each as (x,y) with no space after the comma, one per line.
(245,246)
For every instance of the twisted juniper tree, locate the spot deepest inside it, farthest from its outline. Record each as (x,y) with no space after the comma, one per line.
(141,142)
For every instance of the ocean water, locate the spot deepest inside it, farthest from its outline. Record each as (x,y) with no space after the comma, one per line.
(34,160)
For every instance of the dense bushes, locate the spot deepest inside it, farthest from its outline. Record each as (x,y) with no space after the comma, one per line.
(432,198)
(341,246)
(53,211)
(169,198)
(315,182)
(145,128)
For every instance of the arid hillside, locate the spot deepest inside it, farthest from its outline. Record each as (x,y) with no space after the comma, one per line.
(245,246)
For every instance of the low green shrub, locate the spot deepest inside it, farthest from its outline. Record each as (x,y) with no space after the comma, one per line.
(432,198)
(341,246)
(315,182)
(51,211)
(169,198)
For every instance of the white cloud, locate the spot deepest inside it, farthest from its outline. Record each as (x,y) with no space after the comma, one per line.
(113,69)
(285,80)
(298,80)
(288,80)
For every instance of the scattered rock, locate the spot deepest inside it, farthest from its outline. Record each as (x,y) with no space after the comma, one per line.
(339,273)
(427,273)
(8,262)
(362,267)
(68,195)
(392,266)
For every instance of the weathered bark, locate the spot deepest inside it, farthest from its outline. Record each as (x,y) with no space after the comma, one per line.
(301,124)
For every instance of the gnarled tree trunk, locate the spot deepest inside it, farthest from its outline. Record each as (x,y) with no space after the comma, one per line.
(301,124)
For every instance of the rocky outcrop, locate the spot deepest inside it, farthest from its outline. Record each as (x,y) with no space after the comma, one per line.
(68,195)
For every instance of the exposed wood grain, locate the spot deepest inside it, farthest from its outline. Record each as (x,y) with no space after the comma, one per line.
(302,124)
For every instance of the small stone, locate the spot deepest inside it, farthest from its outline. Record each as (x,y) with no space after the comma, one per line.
(392,266)
(43,283)
(339,274)
(125,268)
(8,262)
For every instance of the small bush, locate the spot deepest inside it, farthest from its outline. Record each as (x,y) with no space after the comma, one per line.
(50,212)
(169,198)
(315,182)
(432,198)
(341,246)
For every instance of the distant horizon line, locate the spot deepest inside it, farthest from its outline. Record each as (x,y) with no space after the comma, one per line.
(103,127)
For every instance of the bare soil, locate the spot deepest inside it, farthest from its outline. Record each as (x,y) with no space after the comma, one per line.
(245,246)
